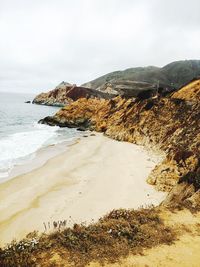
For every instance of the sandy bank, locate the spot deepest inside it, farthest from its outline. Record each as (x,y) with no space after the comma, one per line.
(184,252)
(91,178)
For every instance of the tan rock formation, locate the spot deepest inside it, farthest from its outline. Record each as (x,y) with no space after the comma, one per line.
(66,93)
(168,125)
(189,92)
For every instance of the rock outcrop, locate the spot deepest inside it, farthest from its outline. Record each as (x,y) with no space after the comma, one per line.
(66,93)
(170,125)
(190,92)
(56,97)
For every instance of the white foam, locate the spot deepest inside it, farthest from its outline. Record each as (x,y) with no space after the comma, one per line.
(18,146)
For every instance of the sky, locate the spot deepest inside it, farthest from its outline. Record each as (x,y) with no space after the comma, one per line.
(45,42)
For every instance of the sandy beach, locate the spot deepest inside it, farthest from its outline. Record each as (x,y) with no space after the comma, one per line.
(91,178)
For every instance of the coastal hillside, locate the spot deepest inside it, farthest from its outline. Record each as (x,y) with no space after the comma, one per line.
(65,93)
(173,75)
(154,236)
(99,133)
(128,83)
(170,125)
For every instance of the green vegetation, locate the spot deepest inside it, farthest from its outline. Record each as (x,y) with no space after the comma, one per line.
(175,74)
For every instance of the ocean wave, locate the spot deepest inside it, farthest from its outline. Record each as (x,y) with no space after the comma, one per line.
(18,146)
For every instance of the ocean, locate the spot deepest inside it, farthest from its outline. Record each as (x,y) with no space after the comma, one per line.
(21,137)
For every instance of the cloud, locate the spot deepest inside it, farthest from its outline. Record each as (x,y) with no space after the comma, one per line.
(47,41)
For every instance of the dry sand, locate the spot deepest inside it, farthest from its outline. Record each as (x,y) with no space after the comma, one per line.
(184,252)
(82,184)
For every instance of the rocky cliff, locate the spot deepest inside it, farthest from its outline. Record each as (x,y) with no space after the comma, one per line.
(170,125)
(190,92)
(66,93)
(127,83)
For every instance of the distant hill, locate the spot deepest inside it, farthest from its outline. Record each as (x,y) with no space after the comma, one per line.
(173,75)
(131,82)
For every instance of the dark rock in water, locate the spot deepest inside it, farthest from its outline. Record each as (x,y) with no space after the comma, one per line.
(81,129)
(81,123)
(52,121)
(48,121)
(27,102)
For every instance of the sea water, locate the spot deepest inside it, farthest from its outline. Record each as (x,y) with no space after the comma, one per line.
(20,134)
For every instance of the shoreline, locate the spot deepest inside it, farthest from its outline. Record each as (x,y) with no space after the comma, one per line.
(39,158)
(92,177)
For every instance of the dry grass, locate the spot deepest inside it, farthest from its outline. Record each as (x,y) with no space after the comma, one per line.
(115,236)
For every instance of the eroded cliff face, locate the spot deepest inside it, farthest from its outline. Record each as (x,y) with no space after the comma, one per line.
(169,125)
(56,97)
(190,92)
(66,93)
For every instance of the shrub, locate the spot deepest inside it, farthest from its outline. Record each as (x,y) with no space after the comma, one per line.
(115,235)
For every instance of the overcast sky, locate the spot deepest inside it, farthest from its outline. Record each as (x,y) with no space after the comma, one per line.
(43,42)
